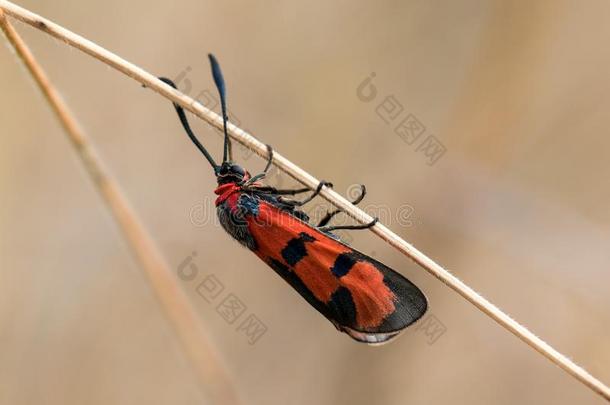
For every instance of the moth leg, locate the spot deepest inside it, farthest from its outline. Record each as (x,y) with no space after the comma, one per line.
(273,190)
(304,190)
(264,173)
(331,214)
(269,158)
(314,194)
(295,191)
(353,227)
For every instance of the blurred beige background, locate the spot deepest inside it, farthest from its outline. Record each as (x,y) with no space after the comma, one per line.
(517,207)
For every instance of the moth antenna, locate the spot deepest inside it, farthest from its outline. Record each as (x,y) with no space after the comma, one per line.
(220,85)
(188,130)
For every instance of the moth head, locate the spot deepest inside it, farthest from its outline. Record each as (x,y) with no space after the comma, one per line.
(230,172)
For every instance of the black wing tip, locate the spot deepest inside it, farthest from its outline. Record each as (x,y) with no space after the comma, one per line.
(411,305)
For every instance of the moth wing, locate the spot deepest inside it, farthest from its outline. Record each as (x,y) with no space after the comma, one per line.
(362,297)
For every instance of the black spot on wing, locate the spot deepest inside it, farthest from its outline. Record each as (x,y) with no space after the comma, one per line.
(291,278)
(295,249)
(343,264)
(342,307)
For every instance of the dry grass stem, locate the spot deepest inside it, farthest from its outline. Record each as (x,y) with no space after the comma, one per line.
(172,298)
(305,178)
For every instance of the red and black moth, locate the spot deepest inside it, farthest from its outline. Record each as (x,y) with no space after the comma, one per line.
(359,295)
